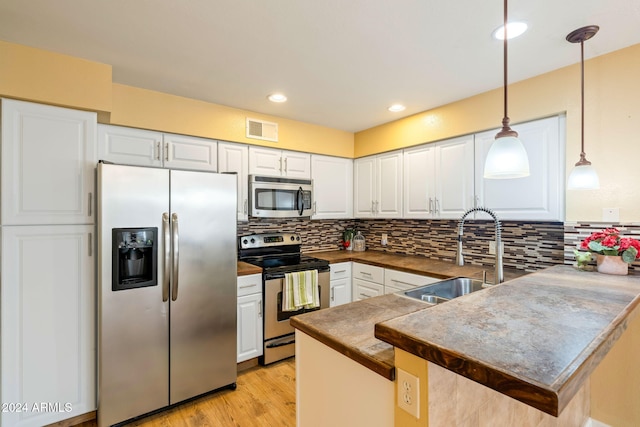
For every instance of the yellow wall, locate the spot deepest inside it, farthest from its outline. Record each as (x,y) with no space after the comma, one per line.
(615,384)
(41,76)
(155,110)
(612,122)
(612,126)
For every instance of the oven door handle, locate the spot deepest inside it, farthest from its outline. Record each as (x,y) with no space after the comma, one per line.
(300,201)
(280,344)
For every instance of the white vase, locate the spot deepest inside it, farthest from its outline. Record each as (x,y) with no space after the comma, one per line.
(612,264)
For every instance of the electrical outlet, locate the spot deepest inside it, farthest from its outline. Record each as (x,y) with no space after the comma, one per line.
(408,392)
(492,247)
(383,240)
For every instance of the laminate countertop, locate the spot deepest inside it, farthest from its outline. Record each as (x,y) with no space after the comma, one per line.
(414,264)
(349,328)
(536,338)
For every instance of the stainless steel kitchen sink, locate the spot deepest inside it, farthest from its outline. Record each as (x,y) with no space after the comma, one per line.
(439,292)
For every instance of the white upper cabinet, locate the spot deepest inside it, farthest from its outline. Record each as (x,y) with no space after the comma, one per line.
(419,181)
(129,146)
(364,180)
(272,162)
(378,186)
(235,158)
(454,177)
(389,185)
(438,179)
(332,187)
(189,152)
(48,162)
(538,197)
(138,147)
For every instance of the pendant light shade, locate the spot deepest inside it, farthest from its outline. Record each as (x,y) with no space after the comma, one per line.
(507,157)
(583,176)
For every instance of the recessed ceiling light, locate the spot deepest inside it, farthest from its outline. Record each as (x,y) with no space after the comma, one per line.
(396,108)
(277,97)
(514,29)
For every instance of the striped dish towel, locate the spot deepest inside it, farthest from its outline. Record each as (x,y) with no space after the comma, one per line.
(300,290)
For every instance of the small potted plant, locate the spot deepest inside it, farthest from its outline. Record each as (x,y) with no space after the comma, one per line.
(347,237)
(613,253)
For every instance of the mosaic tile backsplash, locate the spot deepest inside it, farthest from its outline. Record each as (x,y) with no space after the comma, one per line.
(575,232)
(528,246)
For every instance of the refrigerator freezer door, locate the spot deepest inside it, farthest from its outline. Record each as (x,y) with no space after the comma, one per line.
(203,313)
(133,338)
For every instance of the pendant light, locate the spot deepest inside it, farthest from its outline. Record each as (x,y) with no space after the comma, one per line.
(507,157)
(583,176)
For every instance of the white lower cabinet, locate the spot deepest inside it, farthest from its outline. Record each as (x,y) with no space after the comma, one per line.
(340,284)
(396,281)
(250,334)
(368,281)
(371,281)
(48,323)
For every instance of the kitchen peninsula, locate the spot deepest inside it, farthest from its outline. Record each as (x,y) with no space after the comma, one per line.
(523,349)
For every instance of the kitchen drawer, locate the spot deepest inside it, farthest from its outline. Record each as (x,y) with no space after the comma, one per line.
(363,289)
(368,272)
(250,284)
(341,270)
(403,281)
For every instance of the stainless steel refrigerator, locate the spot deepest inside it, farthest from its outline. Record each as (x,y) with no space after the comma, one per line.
(167,288)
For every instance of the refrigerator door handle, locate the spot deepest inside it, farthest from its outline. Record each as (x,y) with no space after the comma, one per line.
(166,261)
(176,255)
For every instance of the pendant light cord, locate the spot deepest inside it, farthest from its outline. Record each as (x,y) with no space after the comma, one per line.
(582,153)
(506,117)
(506,129)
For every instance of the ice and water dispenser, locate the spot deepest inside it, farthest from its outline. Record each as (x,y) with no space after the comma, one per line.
(135,256)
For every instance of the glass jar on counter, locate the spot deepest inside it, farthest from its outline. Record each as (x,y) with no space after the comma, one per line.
(358,242)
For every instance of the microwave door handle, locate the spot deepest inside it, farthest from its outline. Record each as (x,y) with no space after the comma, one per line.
(300,201)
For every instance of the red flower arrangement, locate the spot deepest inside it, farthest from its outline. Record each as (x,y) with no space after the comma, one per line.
(609,242)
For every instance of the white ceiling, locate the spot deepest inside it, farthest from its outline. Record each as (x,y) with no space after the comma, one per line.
(341,63)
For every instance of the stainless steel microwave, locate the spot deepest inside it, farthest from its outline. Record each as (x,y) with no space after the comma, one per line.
(273,197)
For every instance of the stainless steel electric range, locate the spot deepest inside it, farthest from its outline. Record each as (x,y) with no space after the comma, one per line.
(277,254)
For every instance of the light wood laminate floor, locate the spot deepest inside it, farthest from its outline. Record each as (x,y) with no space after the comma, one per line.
(265,397)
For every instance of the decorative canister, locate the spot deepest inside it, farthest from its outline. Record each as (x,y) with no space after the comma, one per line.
(612,264)
(358,242)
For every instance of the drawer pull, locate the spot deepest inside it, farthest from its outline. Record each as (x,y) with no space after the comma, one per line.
(365,273)
(404,283)
(248,286)
(340,271)
(364,295)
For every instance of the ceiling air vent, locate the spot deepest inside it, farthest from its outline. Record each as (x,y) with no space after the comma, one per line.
(259,129)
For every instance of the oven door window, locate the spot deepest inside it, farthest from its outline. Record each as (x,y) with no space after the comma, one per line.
(285,315)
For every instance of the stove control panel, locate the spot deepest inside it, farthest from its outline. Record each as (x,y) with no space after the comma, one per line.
(269,240)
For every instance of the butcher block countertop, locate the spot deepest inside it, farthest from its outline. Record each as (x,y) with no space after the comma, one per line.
(245,269)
